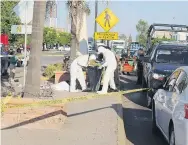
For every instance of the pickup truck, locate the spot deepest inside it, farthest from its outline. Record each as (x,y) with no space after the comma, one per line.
(159,65)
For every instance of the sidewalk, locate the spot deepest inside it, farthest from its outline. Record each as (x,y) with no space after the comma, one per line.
(91,122)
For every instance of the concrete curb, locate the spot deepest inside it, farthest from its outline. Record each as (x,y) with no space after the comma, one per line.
(121,136)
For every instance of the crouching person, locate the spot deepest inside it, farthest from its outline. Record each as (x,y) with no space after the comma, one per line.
(76,71)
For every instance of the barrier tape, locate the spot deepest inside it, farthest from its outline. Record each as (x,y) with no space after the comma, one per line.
(69,99)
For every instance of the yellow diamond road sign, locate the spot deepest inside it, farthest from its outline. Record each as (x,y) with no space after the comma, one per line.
(106,36)
(107,19)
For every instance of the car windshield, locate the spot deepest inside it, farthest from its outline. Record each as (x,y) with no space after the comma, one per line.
(172,56)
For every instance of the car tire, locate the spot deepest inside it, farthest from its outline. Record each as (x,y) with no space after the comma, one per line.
(172,136)
(155,129)
(123,73)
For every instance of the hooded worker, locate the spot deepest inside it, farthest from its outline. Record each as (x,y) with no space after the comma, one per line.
(111,65)
(76,72)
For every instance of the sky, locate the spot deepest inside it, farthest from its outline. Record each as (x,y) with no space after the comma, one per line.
(129,13)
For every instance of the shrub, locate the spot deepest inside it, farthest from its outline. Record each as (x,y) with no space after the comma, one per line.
(50,69)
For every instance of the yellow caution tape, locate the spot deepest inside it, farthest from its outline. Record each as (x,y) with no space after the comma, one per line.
(70,99)
(4,102)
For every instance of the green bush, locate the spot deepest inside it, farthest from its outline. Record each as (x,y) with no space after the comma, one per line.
(49,71)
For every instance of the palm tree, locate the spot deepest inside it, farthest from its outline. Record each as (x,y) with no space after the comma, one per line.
(32,86)
(76,11)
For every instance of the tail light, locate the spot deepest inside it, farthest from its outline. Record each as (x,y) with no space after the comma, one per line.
(186,111)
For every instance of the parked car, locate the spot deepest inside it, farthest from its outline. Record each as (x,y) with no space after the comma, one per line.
(160,63)
(170,108)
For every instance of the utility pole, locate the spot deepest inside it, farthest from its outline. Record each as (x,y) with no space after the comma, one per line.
(108,41)
(95,28)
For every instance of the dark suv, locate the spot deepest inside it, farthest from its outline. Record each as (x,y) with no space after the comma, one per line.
(160,63)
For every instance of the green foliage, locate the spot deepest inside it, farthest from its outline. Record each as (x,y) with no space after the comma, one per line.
(158,40)
(50,70)
(49,35)
(142,28)
(64,38)
(9,18)
(52,36)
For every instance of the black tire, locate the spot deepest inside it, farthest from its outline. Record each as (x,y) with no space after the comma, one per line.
(123,73)
(172,136)
(155,129)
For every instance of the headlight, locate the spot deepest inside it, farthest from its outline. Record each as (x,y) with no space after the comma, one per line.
(158,76)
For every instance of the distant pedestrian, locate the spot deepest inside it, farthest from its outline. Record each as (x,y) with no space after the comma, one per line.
(140,54)
(13,61)
(4,61)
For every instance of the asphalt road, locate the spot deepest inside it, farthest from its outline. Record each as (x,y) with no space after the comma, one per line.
(137,117)
(46,60)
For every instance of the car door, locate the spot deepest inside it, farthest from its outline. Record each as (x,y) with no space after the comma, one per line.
(171,101)
(147,65)
(163,97)
(174,104)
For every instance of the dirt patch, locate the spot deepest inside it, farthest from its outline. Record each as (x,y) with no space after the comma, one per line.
(48,117)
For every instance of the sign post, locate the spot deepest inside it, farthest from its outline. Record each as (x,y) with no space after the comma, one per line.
(24,9)
(25,49)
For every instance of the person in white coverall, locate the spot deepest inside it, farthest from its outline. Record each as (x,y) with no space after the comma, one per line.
(111,65)
(76,71)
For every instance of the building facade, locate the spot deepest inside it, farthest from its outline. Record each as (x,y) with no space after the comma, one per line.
(180,36)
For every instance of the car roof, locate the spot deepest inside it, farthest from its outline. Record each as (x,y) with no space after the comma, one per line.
(172,46)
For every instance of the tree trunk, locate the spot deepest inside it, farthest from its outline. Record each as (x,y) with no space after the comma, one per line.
(74,40)
(32,86)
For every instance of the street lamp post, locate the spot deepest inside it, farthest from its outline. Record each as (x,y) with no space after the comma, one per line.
(95,28)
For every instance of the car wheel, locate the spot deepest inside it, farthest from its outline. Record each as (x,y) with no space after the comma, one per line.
(123,73)
(154,126)
(172,137)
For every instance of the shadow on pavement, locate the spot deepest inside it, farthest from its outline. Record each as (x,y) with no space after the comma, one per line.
(42,117)
(114,106)
(138,127)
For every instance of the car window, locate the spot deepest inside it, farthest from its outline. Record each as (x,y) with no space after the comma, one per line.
(181,82)
(169,86)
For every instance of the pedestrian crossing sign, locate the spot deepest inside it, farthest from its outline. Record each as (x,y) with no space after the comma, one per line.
(107,19)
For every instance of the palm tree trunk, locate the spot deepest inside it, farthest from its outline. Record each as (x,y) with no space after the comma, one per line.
(74,40)
(32,86)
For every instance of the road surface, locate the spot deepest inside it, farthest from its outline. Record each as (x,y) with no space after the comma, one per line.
(46,60)
(137,118)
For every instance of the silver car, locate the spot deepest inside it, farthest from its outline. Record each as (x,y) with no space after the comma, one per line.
(170,108)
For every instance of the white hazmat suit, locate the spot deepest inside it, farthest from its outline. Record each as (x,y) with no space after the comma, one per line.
(76,71)
(111,65)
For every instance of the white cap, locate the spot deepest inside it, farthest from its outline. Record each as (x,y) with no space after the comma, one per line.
(101,49)
(92,57)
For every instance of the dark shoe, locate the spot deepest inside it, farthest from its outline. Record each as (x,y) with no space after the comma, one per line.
(87,90)
(113,90)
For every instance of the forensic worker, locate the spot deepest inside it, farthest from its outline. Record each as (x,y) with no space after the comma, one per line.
(76,72)
(111,64)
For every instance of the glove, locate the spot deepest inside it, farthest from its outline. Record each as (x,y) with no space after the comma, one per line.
(100,67)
